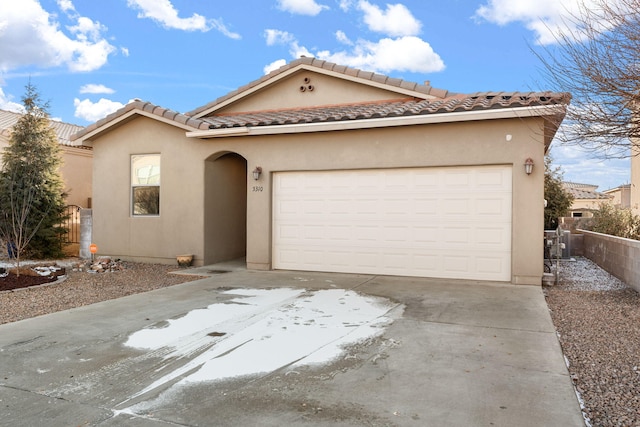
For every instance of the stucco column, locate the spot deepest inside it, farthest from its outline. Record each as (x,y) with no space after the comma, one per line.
(528,222)
(259,195)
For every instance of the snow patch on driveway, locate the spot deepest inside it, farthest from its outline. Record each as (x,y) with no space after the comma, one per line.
(261,330)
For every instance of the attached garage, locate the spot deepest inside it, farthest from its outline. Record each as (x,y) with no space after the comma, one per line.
(447,222)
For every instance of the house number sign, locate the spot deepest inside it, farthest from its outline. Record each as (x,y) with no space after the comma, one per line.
(257,189)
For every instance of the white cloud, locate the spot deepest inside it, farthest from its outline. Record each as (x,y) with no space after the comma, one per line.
(7,103)
(278,37)
(409,53)
(66,6)
(274,65)
(301,7)
(297,51)
(163,12)
(345,5)
(94,111)
(87,29)
(95,88)
(342,38)
(29,35)
(395,21)
(580,165)
(545,18)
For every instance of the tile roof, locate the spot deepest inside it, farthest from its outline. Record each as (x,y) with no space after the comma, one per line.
(578,185)
(436,101)
(64,131)
(149,108)
(582,194)
(318,64)
(395,108)
(618,188)
(581,191)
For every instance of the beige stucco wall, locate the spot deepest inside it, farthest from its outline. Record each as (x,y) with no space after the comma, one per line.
(326,90)
(225,198)
(76,171)
(621,196)
(180,226)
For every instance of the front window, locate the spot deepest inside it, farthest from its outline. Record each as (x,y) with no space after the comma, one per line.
(145,184)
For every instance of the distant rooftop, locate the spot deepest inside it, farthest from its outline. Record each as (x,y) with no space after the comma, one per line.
(8,119)
(581,191)
(569,184)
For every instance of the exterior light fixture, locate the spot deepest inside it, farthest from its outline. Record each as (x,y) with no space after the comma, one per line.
(257,172)
(528,166)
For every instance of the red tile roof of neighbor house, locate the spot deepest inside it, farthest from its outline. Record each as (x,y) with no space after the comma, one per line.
(420,100)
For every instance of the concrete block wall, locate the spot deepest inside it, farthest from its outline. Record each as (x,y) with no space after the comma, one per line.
(618,256)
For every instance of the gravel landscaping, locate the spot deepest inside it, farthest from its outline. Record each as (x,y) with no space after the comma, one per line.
(83,288)
(597,318)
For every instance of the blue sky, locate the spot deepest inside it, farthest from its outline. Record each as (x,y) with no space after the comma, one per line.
(89,58)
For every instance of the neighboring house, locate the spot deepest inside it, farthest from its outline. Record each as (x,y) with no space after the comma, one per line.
(322,167)
(586,199)
(620,196)
(77,159)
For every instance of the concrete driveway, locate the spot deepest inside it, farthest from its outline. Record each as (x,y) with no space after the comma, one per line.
(447,353)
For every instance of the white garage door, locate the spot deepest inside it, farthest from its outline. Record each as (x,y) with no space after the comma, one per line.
(426,222)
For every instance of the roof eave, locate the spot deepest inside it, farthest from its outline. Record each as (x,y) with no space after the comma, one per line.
(492,114)
(87,139)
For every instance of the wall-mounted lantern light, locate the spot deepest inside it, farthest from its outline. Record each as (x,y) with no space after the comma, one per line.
(528,166)
(257,172)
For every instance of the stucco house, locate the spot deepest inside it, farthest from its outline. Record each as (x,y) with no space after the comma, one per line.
(322,167)
(76,169)
(586,199)
(620,196)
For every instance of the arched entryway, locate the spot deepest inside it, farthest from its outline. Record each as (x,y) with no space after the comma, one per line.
(225,207)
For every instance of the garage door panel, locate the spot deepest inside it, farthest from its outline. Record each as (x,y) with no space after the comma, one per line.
(435,222)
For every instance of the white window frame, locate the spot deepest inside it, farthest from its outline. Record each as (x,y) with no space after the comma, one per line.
(145,173)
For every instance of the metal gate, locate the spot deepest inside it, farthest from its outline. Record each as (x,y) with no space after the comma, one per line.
(72,224)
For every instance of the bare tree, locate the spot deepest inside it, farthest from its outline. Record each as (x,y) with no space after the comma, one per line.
(598,62)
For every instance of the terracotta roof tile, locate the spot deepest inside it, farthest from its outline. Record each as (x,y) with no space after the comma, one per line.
(348,71)
(443,102)
(582,191)
(403,107)
(580,194)
(148,107)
